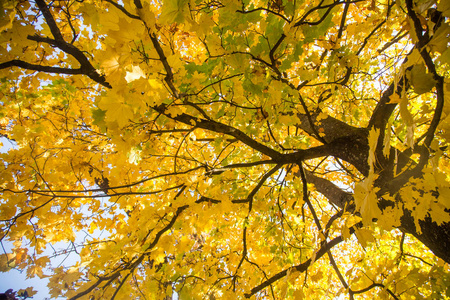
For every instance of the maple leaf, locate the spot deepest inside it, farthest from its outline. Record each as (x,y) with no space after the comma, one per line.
(422,81)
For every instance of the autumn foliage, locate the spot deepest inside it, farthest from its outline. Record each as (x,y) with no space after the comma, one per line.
(227,149)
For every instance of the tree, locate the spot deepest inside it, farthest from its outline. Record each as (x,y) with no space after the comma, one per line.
(228,149)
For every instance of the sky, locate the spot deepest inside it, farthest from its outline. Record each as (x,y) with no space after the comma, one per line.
(14,279)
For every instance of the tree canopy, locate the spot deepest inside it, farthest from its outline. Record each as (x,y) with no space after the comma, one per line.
(227,149)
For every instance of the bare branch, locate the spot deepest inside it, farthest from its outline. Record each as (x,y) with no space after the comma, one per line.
(46,69)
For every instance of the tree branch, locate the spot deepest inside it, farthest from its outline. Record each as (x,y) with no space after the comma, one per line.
(46,69)
(139,260)
(85,66)
(301,267)
(122,9)
(333,193)
(50,20)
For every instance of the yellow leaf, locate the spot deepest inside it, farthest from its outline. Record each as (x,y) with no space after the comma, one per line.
(408,120)
(345,233)
(27,293)
(7,262)
(394,98)
(316,277)
(92,227)
(147,15)
(169,291)
(366,200)
(440,39)
(173,11)
(175,62)
(373,141)
(444,7)
(112,68)
(135,73)
(120,113)
(134,156)
(421,81)
(116,109)
(71,275)
(390,218)
(159,256)
(127,30)
(7,14)
(109,20)
(364,236)
(438,213)
(387,140)
(299,295)
(174,111)
(167,243)
(34,270)
(42,261)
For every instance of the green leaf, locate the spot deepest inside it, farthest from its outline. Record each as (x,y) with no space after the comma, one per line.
(99,118)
